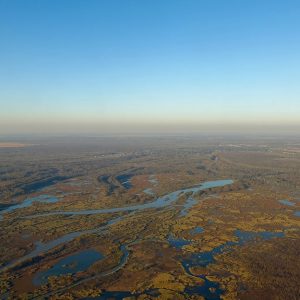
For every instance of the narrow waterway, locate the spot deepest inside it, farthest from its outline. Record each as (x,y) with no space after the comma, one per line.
(28,202)
(211,290)
(160,202)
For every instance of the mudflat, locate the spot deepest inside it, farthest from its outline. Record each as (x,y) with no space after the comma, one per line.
(11,145)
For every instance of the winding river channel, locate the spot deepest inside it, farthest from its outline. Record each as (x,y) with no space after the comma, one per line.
(159,202)
(77,262)
(28,202)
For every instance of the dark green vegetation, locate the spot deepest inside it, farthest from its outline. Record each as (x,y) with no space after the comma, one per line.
(220,240)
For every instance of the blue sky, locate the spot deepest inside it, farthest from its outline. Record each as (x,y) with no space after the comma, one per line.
(149,62)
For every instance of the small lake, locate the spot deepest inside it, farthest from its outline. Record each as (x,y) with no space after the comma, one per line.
(125,180)
(177,243)
(74,263)
(286,202)
(197,230)
(41,184)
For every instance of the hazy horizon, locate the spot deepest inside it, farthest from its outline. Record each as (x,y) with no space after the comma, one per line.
(121,67)
(87,130)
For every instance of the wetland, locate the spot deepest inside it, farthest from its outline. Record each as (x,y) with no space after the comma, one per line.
(189,218)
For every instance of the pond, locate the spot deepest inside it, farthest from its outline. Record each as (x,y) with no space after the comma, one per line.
(287,202)
(125,180)
(197,230)
(74,263)
(177,243)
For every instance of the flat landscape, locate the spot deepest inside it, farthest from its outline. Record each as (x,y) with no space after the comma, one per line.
(149,150)
(150,218)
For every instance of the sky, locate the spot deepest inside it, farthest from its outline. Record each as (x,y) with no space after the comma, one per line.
(100,66)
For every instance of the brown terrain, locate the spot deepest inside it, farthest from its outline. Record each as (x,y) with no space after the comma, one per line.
(236,239)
